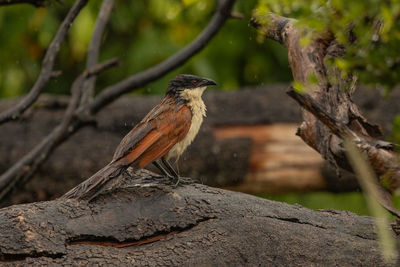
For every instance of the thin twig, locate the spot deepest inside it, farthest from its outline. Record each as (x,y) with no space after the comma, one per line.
(47,66)
(111,93)
(96,69)
(94,48)
(22,170)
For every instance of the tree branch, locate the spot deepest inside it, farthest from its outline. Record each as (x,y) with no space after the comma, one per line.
(22,170)
(345,133)
(337,127)
(47,66)
(94,48)
(328,112)
(110,93)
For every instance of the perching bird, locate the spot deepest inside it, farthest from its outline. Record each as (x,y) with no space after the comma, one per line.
(164,133)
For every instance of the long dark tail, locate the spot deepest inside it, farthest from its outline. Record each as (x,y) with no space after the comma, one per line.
(93,186)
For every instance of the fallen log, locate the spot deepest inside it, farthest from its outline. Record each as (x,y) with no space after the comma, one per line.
(242,143)
(141,219)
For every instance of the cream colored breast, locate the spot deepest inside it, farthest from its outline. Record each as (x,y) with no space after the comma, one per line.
(196,105)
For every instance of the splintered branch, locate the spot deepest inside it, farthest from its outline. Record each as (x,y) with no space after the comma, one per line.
(345,133)
(337,127)
(22,170)
(329,114)
(94,48)
(47,66)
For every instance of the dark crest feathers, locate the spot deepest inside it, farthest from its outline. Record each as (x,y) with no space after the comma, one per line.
(187,81)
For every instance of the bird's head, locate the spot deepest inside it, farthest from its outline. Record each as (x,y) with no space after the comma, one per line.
(184,85)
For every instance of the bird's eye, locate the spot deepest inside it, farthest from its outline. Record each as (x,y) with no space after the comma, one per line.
(194,82)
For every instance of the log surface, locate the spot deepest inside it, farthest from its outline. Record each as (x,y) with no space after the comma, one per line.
(143,221)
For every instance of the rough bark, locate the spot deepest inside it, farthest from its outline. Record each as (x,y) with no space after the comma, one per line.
(230,160)
(143,220)
(329,114)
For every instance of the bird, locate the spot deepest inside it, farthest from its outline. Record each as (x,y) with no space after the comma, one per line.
(164,133)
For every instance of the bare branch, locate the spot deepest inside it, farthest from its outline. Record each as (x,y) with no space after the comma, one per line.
(47,66)
(337,127)
(110,93)
(271,26)
(94,48)
(22,170)
(341,130)
(25,168)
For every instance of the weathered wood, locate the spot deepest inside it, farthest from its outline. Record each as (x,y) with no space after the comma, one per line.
(225,162)
(146,221)
(279,161)
(328,111)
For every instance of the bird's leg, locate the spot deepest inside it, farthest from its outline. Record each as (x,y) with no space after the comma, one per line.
(169,167)
(163,171)
(171,170)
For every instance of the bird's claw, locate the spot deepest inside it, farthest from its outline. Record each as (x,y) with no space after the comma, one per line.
(173,179)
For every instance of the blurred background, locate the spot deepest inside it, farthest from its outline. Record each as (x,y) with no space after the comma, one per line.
(141,34)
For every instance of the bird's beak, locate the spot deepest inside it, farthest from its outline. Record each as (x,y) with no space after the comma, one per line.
(206,82)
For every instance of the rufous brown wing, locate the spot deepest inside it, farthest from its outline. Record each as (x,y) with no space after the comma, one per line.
(163,127)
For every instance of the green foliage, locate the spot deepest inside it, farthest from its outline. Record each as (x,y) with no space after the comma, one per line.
(141,34)
(369,29)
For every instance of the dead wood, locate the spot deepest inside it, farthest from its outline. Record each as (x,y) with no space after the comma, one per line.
(23,170)
(238,156)
(328,112)
(143,220)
